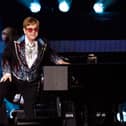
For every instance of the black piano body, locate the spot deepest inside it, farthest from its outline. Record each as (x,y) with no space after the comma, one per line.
(91,80)
(90,87)
(99,80)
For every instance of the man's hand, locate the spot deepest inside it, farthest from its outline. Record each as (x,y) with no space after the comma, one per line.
(62,62)
(6,77)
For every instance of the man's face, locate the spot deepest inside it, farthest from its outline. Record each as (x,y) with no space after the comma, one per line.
(31,32)
(4,35)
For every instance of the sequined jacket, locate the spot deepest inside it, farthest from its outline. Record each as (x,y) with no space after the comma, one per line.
(14,60)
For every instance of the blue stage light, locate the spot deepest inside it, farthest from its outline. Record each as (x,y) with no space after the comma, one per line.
(35,7)
(98,7)
(64,5)
(10,108)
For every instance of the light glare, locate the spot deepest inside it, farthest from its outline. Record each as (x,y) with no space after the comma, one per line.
(35,7)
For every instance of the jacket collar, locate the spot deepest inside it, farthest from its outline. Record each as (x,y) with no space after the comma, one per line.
(22,39)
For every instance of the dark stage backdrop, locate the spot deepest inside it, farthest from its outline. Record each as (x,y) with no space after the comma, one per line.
(79,23)
(87,46)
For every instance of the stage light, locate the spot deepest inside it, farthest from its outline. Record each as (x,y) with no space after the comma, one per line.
(101,6)
(121,118)
(98,7)
(64,5)
(10,108)
(35,6)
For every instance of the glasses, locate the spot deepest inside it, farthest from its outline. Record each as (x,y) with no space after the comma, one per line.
(32,29)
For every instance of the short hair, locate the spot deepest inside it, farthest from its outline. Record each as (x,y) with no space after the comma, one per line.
(30,21)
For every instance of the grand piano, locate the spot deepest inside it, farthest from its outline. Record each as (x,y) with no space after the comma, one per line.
(90,87)
(100,80)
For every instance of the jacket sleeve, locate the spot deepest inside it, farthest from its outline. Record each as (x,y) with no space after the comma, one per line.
(51,57)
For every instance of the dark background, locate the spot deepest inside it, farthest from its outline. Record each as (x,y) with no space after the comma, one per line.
(79,23)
